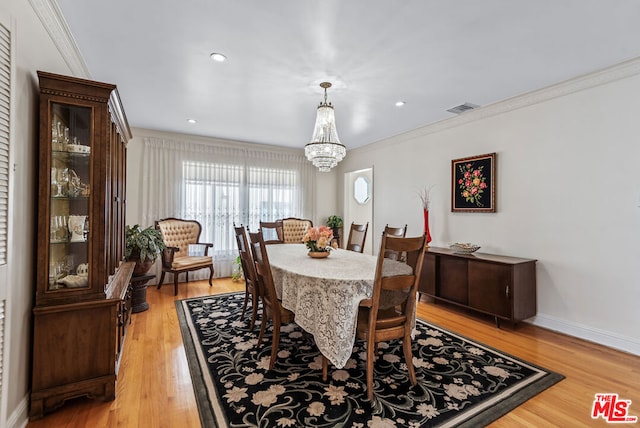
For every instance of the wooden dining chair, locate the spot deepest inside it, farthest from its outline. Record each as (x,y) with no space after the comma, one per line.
(394,231)
(249,273)
(272,232)
(390,312)
(271,306)
(357,237)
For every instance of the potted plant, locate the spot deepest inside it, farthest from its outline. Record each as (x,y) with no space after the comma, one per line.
(142,246)
(335,223)
(236,273)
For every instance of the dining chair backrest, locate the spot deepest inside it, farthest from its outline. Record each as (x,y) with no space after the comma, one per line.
(246,259)
(394,231)
(357,237)
(249,272)
(407,284)
(272,232)
(263,269)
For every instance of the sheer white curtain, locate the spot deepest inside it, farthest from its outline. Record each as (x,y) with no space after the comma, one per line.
(219,185)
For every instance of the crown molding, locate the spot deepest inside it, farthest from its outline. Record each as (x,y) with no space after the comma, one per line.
(54,22)
(611,74)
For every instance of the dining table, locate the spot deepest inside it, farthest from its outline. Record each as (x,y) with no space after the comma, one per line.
(324,293)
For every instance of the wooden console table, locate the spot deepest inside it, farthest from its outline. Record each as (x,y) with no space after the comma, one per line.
(501,286)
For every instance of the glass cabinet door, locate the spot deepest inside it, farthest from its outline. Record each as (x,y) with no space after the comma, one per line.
(69,233)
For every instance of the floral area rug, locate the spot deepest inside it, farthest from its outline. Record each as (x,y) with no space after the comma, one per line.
(460,382)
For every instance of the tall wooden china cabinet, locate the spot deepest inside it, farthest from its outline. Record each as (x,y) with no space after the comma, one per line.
(82,297)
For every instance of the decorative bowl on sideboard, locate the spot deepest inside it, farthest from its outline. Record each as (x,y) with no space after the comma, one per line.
(464,248)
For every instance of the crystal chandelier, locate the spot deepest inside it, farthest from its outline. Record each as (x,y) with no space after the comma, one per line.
(325,149)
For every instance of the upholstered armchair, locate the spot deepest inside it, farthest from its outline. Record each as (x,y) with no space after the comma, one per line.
(294,229)
(181,237)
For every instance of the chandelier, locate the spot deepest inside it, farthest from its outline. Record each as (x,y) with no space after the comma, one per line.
(325,149)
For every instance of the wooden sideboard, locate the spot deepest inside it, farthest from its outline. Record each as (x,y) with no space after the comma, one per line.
(501,286)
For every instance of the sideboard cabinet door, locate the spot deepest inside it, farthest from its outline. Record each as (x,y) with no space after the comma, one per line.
(490,288)
(453,280)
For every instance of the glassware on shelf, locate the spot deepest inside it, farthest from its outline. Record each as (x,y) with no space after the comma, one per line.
(76,188)
(64,229)
(54,182)
(62,182)
(53,229)
(53,276)
(59,229)
(59,136)
(54,135)
(65,141)
(58,269)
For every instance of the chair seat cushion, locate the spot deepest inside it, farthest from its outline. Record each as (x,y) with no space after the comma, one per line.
(188,262)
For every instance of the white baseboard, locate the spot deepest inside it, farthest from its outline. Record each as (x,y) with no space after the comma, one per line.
(19,418)
(602,337)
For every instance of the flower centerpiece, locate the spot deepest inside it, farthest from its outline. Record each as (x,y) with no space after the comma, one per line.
(318,241)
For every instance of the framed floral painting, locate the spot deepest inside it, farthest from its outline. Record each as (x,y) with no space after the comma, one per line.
(473,186)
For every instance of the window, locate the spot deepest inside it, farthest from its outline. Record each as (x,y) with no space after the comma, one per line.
(361,191)
(221,184)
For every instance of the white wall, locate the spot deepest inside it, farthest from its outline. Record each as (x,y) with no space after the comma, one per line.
(568,195)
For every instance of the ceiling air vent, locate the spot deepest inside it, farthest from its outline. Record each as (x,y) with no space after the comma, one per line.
(462,108)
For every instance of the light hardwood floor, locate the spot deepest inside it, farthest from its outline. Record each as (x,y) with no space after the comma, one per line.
(154,386)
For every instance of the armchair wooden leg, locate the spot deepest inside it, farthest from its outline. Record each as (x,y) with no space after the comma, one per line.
(210,275)
(161,280)
(175,284)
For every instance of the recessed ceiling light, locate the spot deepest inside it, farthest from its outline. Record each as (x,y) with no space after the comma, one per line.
(400,103)
(218,57)
(192,120)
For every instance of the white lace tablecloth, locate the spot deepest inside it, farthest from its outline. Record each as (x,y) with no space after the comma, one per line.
(325,293)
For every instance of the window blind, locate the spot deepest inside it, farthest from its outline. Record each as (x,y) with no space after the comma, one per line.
(5,104)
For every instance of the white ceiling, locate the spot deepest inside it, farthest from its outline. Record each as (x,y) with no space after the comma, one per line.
(433,54)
